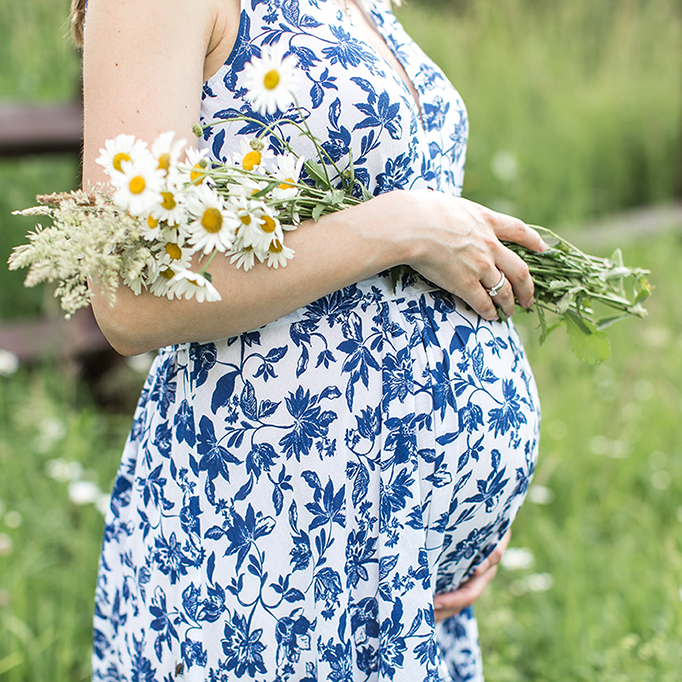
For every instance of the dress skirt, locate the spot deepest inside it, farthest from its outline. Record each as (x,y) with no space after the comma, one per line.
(290,500)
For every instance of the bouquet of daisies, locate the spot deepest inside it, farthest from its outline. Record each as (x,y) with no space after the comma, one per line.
(172,211)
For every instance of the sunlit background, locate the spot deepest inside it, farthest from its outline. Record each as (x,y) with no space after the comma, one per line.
(575,112)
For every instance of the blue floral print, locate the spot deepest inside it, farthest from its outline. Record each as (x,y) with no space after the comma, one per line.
(290,500)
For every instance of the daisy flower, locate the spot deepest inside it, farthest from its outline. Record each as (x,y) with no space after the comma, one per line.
(271,80)
(164,285)
(252,154)
(170,209)
(288,173)
(278,254)
(138,186)
(244,258)
(167,151)
(119,149)
(213,224)
(173,254)
(250,214)
(269,231)
(195,164)
(193,285)
(244,185)
(150,229)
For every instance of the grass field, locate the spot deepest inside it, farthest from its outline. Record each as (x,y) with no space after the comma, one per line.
(575,111)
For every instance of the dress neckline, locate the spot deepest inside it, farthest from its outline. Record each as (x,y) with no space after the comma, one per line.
(400,74)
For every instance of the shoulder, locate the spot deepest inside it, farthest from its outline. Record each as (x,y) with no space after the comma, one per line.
(159,27)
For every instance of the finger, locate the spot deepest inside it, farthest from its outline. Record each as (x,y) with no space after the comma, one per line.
(501,293)
(518,275)
(503,298)
(484,306)
(514,230)
(451,603)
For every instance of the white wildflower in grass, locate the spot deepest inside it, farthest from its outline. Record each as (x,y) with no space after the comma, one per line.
(252,154)
(271,80)
(13,519)
(278,254)
(540,494)
(138,187)
(167,151)
(84,492)
(5,544)
(63,471)
(517,558)
(288,173)
(9,363)
(536,582)
(193,285)
(123,148)
(213,222)
(102,503)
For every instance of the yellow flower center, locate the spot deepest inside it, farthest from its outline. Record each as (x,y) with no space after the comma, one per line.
(121,156)
(152,222)
(246,219)
(137,185)
(251,160)
(286,185)
(276,246)
(212,220)
(271,79)
(174,251)
(164,162)
(167,273)
(269,224)
(168,201)
(196,174)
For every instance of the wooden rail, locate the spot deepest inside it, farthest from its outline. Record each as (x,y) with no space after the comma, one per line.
(41,129)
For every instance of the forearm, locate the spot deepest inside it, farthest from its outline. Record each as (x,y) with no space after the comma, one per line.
(341,249)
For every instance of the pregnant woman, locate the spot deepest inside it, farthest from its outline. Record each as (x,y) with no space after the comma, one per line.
(318,455)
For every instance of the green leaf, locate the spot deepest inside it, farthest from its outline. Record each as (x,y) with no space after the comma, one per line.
(608,321)
(591,346)
(316,172)
(337,197)
(318,210)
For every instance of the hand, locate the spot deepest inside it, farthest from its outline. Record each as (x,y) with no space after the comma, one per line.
(451,603)
(456,244)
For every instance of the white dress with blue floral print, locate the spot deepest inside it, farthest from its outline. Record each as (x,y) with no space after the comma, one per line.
(291,499)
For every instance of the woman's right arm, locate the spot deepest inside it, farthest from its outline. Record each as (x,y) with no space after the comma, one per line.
(144,66)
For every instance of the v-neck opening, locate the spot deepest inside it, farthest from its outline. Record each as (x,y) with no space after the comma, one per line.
(406,80)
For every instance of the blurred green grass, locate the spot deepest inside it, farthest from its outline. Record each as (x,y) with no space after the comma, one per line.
(575,113)
(584,95)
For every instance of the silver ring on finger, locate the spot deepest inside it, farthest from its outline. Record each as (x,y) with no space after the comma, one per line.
(493,291)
